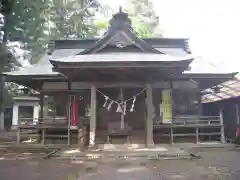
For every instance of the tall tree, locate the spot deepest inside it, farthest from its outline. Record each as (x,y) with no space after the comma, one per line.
(5,10)
(28,26)
(145,19)
(71,19)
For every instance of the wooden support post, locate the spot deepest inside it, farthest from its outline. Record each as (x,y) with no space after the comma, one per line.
(237,115)
(197,135)
(93,116)
(149,123)
(171,135)
(80,139)
(43,136)
(222,126)
(18,135)
(172,103)
(69,136)
(41,106)
(40,139)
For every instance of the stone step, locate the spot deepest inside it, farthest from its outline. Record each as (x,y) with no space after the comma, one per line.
(123,155)
(155,153)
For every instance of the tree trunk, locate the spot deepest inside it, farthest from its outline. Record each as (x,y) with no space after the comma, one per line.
(4,42)
(5,29)
(1,104)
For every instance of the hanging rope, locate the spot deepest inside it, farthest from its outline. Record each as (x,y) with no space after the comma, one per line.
(121,103)
(106,101)
(133,104)
(121,106)
(124,108)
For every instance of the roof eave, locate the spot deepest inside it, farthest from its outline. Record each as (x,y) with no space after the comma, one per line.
(60,64)
(210,80)
(228,76)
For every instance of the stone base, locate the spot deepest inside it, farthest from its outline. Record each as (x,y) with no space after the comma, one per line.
(13,127)
(119,147)
(152,145)
(159,152)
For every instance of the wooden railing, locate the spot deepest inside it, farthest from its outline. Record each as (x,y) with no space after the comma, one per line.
(203,122)
(44,121)
(44,125)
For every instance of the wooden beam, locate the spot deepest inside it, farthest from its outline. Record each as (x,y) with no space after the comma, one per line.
(104,65)
(57,86)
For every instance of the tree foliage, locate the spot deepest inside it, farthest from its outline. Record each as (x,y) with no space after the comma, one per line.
(144,18)
(34,23)
(71,19)
(27,26)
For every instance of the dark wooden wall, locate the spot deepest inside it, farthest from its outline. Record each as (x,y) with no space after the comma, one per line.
(229,114)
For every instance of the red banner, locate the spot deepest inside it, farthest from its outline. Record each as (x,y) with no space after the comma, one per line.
(74,113)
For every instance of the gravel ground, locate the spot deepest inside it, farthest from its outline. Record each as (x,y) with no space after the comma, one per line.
(214,165)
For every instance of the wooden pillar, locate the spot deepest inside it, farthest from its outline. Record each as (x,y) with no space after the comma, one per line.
(197,135)
(149,123)
(2,119)
(171,135)
(45,105)
(41,132)
(93,116)
(222,126)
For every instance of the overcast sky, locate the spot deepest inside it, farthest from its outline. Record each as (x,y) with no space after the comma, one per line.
(213,27)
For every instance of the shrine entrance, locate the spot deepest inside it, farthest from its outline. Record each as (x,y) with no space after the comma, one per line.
(121,115)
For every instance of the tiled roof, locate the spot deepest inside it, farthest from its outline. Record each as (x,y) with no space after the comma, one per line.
(203,67)
(226,90)
(43,68)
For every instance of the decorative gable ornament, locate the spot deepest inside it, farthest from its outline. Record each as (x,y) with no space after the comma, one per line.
(121,40)
(120,45)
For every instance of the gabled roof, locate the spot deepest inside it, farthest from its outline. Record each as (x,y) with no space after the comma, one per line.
(162,52)
(120,34)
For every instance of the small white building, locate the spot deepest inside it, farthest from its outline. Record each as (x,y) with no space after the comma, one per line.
(25,101)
